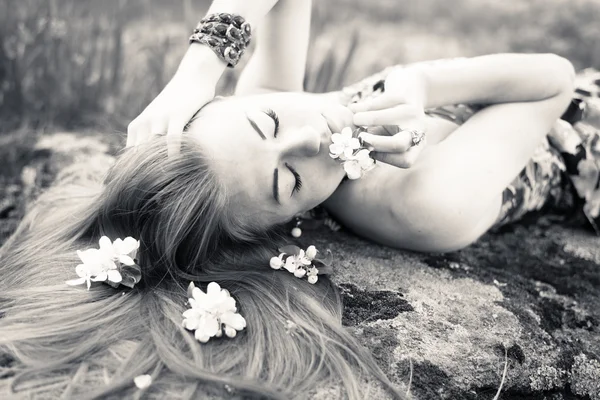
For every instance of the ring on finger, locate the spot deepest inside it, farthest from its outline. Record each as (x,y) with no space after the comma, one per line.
(416,137)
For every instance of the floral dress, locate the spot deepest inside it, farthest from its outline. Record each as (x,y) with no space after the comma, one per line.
(563,174)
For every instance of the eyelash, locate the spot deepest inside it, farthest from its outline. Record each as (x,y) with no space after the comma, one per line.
(298,184)
(275,118)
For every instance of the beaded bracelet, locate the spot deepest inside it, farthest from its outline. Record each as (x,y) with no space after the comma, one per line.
(227,35)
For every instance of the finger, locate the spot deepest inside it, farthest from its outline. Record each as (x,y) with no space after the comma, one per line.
(131,133)
(377,103)
(385,130)
(400,160)
(142,133)
(389,116)
(174,133)
(338,117)
(399,143)
(158,126)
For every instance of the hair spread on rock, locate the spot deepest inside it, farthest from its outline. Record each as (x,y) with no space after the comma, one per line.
(70,342)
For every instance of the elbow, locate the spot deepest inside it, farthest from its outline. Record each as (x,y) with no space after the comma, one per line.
(437,218)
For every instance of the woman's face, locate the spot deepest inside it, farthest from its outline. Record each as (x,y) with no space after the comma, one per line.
(271,152)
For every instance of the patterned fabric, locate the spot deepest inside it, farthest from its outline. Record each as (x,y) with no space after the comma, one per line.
(564,172)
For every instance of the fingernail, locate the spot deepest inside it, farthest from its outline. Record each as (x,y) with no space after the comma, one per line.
(364,143)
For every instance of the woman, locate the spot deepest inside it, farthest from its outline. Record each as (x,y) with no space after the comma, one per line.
(246,165)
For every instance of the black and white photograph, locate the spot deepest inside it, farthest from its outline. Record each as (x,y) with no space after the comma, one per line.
(300,199)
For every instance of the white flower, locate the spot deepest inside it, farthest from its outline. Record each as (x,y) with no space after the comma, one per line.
(293,262)
(100,265)
(96,267)
(123,251)
(299,273)
(142,381)
(276,262)
(211,313)
(343,145)
(312,275)
(358,164)
(311,252)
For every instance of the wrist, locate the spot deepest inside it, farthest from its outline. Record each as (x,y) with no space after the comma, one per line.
(201,60)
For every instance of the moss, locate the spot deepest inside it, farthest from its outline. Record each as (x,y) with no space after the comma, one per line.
(362,306)
(547,377)
(585,377)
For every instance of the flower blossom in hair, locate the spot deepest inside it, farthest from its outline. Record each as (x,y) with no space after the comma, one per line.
(299,262)
(113,263)
(348,149)
(212,313)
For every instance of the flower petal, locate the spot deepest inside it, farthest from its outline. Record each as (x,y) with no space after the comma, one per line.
(126,260)
(114,276)
(300,272)
(313,279)
(101,277)
(276,262)
(75,282)
(209,325)
(234,320)
(352,169)
(142,381)
(199,296)
(354,143)
(90,256)
(213,289)
(230,332)
(106,245)
(311,252)
(201,336)
(336,148)
(129,245)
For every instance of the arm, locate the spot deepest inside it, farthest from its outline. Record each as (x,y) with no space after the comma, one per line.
(279,60)
(458,184)
(201,69)
(452,194)
(494,79)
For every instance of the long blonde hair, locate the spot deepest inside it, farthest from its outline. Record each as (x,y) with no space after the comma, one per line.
(60,340)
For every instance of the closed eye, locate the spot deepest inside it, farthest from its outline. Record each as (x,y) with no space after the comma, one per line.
(275,118)
(298,184)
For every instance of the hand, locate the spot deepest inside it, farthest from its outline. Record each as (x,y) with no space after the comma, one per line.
(192,86)
(393,117)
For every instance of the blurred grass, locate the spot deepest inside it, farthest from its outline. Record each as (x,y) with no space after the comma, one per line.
(78,63)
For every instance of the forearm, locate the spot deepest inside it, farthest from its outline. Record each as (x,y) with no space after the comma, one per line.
(494,79)
(279,59)
(200,58)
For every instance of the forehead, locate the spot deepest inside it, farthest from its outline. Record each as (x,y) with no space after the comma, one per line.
(233,152)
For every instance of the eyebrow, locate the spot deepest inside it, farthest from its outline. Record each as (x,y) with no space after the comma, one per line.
(256,128)
(276,185)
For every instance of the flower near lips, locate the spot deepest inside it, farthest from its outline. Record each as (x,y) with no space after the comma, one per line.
(344,144)
(212,313)
(358,164)
(110,263)
(349,149)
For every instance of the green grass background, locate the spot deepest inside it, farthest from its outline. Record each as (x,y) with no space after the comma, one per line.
(74,64)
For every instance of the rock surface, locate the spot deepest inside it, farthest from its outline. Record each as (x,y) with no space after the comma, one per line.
(525,299)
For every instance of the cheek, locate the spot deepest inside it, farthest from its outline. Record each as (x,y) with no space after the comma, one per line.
(325,178)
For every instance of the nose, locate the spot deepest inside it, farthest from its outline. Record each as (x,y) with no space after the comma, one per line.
(302,142)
